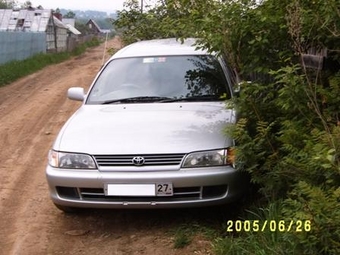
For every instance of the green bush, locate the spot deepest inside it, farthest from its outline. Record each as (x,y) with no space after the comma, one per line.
(261,231)
(288,132)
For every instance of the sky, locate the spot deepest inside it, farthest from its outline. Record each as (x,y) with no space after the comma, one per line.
(95,5)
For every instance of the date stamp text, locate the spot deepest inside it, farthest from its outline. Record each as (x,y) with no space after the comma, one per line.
(269,225)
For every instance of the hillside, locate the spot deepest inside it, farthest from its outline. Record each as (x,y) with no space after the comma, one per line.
(90,14)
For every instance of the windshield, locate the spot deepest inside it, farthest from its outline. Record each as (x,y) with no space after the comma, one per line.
(166,77)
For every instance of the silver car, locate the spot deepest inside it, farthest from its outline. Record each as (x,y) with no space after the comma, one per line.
(149,134)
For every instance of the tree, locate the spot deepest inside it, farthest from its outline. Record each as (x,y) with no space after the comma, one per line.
(7,4)
(70,15)
(26,5)
(81,27)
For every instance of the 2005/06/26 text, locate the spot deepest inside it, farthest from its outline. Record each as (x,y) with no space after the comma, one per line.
(271,225)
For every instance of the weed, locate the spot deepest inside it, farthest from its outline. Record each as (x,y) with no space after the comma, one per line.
(184,234)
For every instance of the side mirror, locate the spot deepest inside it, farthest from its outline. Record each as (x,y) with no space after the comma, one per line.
(76,93)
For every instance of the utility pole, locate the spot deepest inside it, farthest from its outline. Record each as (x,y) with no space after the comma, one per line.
(142,4)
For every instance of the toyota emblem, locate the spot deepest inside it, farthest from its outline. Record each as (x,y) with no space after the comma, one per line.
(138,161)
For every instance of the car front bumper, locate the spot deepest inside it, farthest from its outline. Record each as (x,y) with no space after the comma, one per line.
(191,187)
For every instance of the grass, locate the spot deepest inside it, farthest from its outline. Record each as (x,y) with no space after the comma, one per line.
(257,241)
(269,240)
(184,234)
(182,239)
(11,71)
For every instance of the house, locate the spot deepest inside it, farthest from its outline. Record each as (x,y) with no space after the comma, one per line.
(36,21)
(93,27)
(26,32)
(56,35)
(73,34)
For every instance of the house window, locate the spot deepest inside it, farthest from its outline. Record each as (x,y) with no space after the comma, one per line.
(20,22)
(90,25)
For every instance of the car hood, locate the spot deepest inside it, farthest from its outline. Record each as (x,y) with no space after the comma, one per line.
(146,128)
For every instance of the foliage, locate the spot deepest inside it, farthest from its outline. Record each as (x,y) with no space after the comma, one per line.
(185,233)
(80,25)
(166,19)
(7,4)
(321,207)
(70,15)
(288,131)
(26,4)
(105,23)
(260,237)
(181,239)
(135,25)
(14,70)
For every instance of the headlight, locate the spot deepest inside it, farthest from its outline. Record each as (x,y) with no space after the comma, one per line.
(209,158)
(70,160)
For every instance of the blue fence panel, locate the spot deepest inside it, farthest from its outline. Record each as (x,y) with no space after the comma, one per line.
(20,45)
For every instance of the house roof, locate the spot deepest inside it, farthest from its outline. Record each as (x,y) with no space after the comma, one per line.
(73,30)
(26,20)
(70,24)
(32,20)
(58,23)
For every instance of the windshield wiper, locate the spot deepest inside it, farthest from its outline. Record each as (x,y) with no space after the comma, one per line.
(194,98)
(137,100)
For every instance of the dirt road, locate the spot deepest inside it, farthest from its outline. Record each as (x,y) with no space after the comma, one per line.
(32,110)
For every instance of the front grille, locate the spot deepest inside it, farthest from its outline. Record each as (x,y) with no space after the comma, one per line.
(180,194)
(149,160)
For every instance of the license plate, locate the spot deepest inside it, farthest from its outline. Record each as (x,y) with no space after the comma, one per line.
(139,190)
(164,189)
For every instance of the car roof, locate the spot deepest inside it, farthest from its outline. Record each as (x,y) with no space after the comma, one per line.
(159,47)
